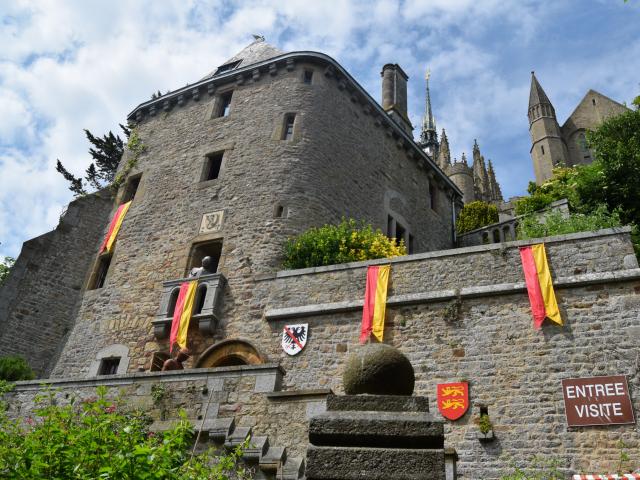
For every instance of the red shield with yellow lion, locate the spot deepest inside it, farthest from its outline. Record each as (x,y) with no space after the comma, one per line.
(453,399)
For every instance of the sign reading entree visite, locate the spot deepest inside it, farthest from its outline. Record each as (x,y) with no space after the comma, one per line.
(597,401)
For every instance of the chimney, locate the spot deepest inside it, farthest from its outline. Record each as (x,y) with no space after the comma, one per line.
(394,94)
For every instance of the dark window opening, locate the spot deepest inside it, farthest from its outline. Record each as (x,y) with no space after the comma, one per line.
(227,67)
(308,76)
(201,250)
(131,189)
(173,299)
(230,361)
(101,272)
(389,226)
(224,104)
(432,195)
(109,366)
(279,211)
(593,101)
(201,294)
(542,149)
(485,237)
(287,133)
(400,233)
(484,410)
(496,236)
(212,166)
(411,247)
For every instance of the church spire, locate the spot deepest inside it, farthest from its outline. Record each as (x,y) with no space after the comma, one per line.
(444,154)
(428,136)
(494,186)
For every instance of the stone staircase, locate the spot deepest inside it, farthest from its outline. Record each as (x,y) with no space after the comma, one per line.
(269,462)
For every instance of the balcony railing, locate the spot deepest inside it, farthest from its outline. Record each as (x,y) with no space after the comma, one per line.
(207,307)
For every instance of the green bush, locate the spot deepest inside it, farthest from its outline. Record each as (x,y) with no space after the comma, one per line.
(553,223)
(539,469)
(14,368)
(348,241)
(96,439)
(476,215)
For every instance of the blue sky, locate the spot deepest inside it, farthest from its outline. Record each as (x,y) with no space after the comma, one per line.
(69,65)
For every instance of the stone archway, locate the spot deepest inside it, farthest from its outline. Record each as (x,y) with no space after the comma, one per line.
(230,353)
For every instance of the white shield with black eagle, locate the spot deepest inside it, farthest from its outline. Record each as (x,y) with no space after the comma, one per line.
(294,338)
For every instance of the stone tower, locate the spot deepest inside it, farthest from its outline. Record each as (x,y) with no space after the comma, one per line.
(428,136)
(462,175)
(547,146)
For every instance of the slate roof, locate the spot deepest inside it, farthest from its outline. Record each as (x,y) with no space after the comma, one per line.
(257,51)
(537,95)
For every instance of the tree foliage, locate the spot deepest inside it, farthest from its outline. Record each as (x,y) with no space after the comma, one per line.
(97,439)
(106,152)
(5,268)
(349,241)
(14,368)
(476,215)
(554,223)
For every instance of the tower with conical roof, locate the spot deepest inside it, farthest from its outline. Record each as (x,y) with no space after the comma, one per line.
(428,135)
(547,147)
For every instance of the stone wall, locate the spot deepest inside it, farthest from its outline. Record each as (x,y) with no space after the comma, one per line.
(341,161)
(39,300)
(513,370)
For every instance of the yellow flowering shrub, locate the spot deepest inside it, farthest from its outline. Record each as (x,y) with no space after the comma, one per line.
(349,241)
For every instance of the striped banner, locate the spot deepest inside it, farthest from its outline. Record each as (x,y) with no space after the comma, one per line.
(182,314)
(607,477)
(114,228)
(375,303)
(539,285)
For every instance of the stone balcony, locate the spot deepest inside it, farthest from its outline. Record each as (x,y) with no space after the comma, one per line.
(207,306)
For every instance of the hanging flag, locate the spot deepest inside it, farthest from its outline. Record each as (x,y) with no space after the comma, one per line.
(114,227)
(539,285)
(182,314)
(375,302)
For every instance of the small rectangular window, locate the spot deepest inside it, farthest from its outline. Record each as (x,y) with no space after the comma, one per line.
(131,189)
(542,149)
(432,195)
(287,133)
(212,166)
(224,104)
(101,272)
(390,228)
(109,366)
(199,251)
(308,76)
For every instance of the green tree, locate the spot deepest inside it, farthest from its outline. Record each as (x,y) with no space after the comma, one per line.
(476,215)
(106,152)
(348,241)
(14,367)
(5,267)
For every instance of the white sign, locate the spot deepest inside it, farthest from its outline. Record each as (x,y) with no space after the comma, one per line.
(212,222)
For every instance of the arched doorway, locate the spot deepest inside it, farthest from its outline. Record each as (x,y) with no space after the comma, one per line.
(230,353)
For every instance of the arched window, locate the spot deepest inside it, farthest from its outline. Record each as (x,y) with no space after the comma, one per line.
(229,353)
(496,236)
(201,294)
(172,302)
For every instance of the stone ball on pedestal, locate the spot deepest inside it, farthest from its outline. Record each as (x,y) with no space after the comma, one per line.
(378,369)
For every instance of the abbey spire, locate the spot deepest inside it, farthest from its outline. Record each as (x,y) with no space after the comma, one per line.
(428,136)
(444,153)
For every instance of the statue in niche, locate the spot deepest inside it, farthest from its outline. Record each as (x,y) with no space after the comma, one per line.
(205,269)
(176,363)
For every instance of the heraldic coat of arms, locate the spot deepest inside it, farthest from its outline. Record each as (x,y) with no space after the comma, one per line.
(453,399)
(294,338)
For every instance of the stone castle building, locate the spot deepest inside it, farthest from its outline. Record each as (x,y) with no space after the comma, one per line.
(477,182)
(266,146)
(552,144)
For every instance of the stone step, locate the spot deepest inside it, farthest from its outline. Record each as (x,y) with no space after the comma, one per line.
(292,469)
(237,437)
(218,429)
(258,446)
(272,459)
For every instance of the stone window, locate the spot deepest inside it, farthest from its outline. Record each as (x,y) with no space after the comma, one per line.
(396,230)
(211,249)
(485,237)
(287,131)
(432,196)
(506,232)
(400,233)
(496,236)
(201,294)
(593,101)
(542,149)
(100,273)
(131,188)
(411,247)
(307,76)
(223,104)
(173,299)
(109,366)
(212,165)
(280,211)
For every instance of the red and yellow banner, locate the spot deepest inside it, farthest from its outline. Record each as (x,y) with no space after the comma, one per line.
(182,314)
(114,228)
(539,285)
(375,303)
(453,399)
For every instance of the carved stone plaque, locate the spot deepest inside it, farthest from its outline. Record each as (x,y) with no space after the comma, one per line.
(212,222)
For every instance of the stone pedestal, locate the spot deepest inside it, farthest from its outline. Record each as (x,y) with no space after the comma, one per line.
(385,437)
